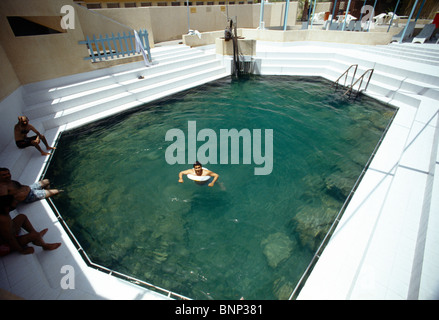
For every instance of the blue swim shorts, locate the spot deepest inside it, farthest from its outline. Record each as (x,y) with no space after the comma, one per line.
(36,193)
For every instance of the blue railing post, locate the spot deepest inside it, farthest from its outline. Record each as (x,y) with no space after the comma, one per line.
(408,21)
(393,15)
(112,47)
(90,49)
(115,44)
(104,49)
(126,44)
(419,12)
(346,16)
(373,13)
(333,14)
(287,5)
(96,45)
(108,40)
(261,14)
(313,11)
(143,34)
(132,43)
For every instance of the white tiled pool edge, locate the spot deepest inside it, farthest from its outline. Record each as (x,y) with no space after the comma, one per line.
(385,246)
(373,252)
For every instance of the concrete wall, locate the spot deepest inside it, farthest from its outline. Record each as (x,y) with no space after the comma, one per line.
(170,23)
(364,38)
(107,21)
(42,57)
(35,58)
(9,80)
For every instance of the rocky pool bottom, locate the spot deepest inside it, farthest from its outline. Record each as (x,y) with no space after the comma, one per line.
(250,236)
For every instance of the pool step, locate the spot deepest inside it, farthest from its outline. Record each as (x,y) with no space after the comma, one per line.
(144,97)
(55,103)
(135,96)
(55,88)
(49,90)
(385,80)
(120,83)
(415,53)
(85,97)
(94,84)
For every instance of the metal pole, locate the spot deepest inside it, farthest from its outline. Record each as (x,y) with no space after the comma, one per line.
(287,5)
(408,21)
(394,12)
(373,13)
(419,12)
(333,12)
(361,15)
(261,17)
(346,15)
(188,25)
(309,13)
(313,11)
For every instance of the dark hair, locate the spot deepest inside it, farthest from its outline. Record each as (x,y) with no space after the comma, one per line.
(4,169)
(5,201)
(20,118)
(197,164)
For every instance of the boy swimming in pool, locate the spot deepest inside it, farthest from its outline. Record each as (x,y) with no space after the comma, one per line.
(199,171)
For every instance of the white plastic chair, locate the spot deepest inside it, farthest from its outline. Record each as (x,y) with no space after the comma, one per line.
(425,33)
(408,34)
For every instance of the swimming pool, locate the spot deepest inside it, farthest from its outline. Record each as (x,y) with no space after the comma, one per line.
(249,236)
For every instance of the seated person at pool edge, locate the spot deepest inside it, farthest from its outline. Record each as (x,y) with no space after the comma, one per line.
(22,193)
(199,171)
(10,240)
(21,129)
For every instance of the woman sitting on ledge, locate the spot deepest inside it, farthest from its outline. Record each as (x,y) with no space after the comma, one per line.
(22,141)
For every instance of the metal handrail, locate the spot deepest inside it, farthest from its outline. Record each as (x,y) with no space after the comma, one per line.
(346,75)
(359,87)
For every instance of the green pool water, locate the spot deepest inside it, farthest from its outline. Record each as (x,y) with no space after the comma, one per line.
(250,236)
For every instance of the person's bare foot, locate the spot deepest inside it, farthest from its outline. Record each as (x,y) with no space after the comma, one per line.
(27,250)
(43,232)
(51,148)
(45,153)
(51,246)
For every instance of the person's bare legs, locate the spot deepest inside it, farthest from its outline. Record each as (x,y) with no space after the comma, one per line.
(45,183)
(52,192)
(21,221)
(43,138)
(36,144)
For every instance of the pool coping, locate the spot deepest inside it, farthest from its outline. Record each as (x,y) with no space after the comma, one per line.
(383,246)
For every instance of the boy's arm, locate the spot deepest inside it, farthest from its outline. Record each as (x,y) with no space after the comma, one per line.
(180,175)
(215,177)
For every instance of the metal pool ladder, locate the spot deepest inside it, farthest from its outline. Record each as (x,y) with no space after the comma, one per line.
(350,88)
(346,73)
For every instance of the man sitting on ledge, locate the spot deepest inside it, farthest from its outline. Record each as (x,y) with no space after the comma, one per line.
(21,193)
(21,129)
